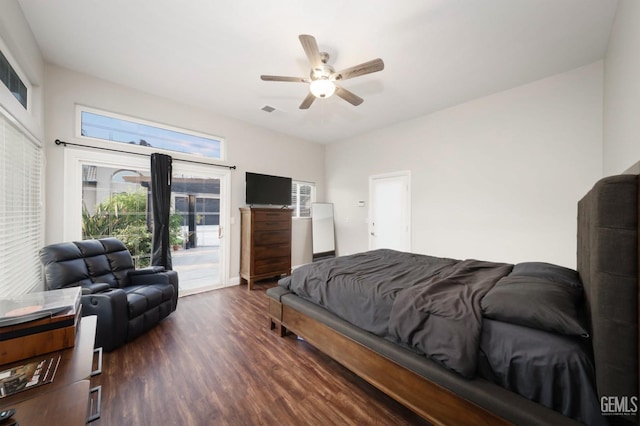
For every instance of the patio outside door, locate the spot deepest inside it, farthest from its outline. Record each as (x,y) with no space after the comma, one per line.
(111,195)
(199,195)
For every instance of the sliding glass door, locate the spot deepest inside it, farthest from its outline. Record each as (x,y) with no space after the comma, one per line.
(109,195)
(199,200)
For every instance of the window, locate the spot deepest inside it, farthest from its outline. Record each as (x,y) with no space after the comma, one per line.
(302,195)
(21,225)
(9,77)
(116,128)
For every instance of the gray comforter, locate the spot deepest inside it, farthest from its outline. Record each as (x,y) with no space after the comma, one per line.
(428,303)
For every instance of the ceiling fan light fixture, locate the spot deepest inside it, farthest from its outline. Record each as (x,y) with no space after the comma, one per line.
(322,88)
(322,77)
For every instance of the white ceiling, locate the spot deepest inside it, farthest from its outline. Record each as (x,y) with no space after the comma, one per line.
(208,53)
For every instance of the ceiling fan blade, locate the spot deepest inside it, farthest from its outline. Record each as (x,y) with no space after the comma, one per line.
(281,78)
(348,96)
(374,65)
(311,50)
(306,103)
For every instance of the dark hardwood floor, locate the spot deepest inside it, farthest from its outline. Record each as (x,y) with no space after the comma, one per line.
(215,362)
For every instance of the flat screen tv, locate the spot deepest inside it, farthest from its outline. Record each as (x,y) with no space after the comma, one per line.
(267,190)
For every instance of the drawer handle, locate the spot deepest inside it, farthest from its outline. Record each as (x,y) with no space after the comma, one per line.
(98,406)
(98,369)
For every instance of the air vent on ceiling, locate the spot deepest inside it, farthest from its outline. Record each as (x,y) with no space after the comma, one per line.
(268,108)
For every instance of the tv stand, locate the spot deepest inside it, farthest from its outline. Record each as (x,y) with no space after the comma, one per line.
(265,243)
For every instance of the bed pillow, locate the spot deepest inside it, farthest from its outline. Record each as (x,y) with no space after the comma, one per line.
(538,295)
(548,271)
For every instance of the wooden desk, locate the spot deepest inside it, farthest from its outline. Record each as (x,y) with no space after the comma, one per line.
(64,400)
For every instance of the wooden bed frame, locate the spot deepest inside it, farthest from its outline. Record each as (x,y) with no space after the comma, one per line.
(430,400)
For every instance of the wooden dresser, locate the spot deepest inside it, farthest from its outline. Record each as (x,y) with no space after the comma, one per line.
(265,244)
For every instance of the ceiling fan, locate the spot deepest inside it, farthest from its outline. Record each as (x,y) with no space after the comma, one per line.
(323,78)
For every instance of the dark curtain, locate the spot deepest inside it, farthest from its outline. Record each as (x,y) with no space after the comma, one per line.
(161,204)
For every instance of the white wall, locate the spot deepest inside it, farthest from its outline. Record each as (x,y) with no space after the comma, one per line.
(497,178)
(248,147)
(20,47)
(622,90)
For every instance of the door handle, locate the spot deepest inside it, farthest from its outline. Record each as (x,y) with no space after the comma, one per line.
(220,232)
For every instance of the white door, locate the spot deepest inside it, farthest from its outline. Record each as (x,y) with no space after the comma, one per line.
(390,211)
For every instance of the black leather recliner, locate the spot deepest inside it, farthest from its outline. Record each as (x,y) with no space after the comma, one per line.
(127,301)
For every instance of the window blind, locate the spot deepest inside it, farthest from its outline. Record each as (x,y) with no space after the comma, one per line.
(302,195)
(21,224)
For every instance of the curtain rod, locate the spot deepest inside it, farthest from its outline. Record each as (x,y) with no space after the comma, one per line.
(63,143)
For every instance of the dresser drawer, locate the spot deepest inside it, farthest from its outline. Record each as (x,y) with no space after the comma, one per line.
(272,225)
(274,265)
(263,238)
(271,251)
(271,215)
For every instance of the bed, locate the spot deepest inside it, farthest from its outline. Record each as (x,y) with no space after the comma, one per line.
(474,342)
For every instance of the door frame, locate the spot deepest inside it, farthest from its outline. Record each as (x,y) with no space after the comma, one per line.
(406,174)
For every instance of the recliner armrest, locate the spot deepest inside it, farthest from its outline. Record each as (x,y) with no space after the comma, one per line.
(146,271)
(95,288)
(150,278)
(113,317)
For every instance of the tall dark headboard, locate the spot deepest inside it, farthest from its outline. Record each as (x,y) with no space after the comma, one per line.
(608,257)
